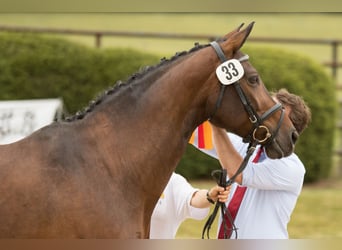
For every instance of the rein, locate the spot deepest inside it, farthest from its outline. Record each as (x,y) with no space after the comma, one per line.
(221,175)
(221,178)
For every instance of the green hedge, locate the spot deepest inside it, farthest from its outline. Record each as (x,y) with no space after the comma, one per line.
(38,67)
(304,77)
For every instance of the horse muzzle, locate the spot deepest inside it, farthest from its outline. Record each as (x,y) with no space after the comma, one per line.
(282,146)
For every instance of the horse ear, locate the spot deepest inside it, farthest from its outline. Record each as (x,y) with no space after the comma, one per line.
(237,38)
(233,32)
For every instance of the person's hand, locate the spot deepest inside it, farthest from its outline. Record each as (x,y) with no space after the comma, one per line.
(218,193)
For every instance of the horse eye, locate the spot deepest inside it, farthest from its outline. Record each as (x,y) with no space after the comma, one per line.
(253,79)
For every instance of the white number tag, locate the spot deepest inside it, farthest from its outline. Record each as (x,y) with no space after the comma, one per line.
(229,72)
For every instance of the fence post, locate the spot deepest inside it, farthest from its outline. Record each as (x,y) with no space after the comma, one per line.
(334,66)
(98,37)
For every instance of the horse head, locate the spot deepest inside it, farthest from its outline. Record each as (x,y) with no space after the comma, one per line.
(241,87)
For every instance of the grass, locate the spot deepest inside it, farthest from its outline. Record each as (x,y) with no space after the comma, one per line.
(318,213)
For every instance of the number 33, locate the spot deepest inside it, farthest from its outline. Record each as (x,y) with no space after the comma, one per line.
(230,71)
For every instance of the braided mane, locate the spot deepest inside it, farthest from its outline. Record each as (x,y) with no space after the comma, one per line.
(135,76)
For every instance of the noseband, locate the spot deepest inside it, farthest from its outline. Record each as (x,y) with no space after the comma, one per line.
(256,120)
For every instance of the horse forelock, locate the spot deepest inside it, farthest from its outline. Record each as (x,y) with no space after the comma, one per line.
(131,81)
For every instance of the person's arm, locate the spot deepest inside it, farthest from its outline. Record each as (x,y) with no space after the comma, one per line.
(201,198)
(229,158)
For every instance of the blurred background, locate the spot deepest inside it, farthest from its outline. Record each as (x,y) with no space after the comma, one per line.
(73,57)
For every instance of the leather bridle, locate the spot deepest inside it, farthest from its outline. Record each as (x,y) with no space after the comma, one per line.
(256,120)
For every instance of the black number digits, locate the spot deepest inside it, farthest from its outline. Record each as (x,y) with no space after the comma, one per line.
(225,69)
(235,71)
(230,70)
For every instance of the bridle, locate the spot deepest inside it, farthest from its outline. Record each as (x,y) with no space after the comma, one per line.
(257,122)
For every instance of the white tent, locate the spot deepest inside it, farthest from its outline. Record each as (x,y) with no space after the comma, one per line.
(20,118)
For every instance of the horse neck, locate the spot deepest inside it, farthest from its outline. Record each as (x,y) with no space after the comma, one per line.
(182,92)
(153,121)
(173,96)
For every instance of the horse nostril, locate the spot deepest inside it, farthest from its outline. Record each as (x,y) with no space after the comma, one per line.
(295,136)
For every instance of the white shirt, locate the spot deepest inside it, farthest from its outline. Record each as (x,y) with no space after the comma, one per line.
(271,196)
(173,208)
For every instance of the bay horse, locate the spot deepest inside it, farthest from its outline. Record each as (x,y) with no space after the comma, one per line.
(99,173)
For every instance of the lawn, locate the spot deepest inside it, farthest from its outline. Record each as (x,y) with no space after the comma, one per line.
(318,213)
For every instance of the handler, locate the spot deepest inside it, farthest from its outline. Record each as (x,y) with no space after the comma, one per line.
(265,193)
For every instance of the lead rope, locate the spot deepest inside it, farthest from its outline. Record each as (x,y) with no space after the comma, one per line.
(221,178)
(221,181)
